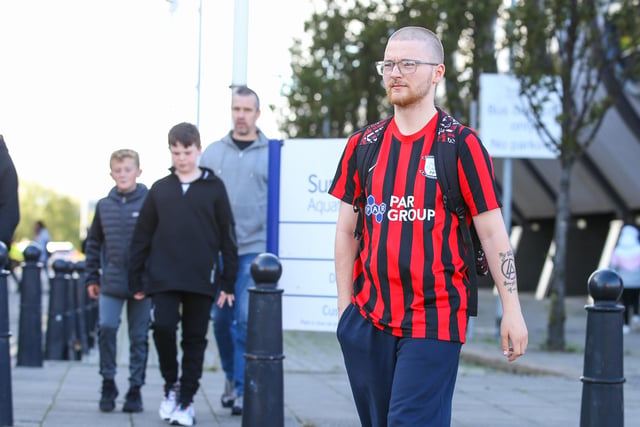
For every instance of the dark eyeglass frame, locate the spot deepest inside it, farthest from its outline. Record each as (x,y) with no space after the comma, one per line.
(405,66)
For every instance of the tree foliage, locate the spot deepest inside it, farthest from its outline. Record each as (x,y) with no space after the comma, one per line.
(60,213)
(560,52)
(335,88)
(560,56)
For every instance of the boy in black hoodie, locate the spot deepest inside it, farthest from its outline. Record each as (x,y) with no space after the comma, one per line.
(184,223)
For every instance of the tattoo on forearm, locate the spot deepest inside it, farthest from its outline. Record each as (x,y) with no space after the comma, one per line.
(508,269)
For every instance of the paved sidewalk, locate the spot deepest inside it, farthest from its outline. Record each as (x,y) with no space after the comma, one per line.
(540,389)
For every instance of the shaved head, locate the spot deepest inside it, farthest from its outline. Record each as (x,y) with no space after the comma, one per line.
(431,40)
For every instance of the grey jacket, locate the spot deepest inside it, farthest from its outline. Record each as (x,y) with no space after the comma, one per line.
(107,249)
(245,176)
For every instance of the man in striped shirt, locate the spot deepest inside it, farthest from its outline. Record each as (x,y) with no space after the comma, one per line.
(403,288)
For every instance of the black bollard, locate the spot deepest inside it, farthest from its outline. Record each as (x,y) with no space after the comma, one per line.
(6,402)
(55,338)
(263,377)
(81,300)
(30,334)
(603,373)
(72,344)
(92,319)
(87,304)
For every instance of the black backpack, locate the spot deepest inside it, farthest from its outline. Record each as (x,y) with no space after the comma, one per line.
(448,132)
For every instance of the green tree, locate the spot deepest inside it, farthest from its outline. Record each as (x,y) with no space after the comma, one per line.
(335,88)
(559,58)
(60,213)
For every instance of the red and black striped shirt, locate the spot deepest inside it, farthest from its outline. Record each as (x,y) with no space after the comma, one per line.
(410,279)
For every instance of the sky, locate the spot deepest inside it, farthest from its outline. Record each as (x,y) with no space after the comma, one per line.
(82,78)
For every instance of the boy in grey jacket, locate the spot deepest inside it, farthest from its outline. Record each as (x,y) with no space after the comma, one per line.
(107,252)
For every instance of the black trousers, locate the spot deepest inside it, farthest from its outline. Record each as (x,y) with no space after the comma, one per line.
(191,311)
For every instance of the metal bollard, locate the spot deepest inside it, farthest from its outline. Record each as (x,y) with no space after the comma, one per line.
(72,344)
(81,299)
(603,373)
(93,322)
(263,377)
(6,402)
(88,309)
(30,334)
(55,342)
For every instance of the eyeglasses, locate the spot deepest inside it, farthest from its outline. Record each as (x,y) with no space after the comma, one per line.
(406,66)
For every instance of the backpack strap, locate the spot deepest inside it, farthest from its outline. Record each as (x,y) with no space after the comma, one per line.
(446,152)
(366,152)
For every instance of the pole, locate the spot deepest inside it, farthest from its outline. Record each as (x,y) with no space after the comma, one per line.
(507,182)
(240,43)
(81,299)
(603,372)
(55,342)
(30,352)
(199,63)
(263,377)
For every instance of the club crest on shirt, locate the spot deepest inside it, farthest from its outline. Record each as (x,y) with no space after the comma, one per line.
(429,169)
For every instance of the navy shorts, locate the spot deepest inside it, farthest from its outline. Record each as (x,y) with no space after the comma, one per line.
(397,381)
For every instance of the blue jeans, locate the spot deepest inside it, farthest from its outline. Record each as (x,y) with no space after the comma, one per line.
(230,325)
(109,311)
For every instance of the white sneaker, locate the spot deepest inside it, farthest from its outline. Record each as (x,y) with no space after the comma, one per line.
(237,406)
(625,329)
(182,416)
(169,402)
(229,393)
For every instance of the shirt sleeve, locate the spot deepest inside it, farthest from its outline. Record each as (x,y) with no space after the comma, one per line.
(476,176)
(228,242)
(95,238)
(141,241)
(346,183)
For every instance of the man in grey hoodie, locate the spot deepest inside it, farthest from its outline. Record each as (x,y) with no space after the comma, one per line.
(241,160)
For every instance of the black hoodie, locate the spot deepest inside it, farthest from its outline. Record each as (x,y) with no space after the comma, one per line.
(179,236)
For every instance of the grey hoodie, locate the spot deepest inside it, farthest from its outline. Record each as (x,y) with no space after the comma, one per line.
(245,176)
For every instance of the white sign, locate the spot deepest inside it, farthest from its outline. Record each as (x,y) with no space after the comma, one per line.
(505,129)
(307,224)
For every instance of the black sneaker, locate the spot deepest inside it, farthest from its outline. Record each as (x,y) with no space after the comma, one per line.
(108,397)
(133,400)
